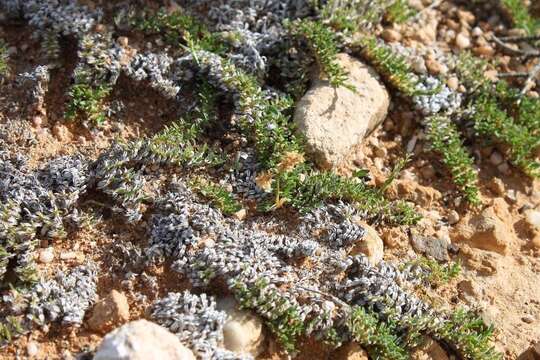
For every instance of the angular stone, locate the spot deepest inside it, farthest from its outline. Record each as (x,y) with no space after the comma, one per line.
(243,330)
(488,230)
(434,247)
(370,245)
(335,120)
(109,312)
(142,340)
(350,351)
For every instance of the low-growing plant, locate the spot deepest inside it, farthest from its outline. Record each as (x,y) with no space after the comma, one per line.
(492,121)
(375,336)
(3,59)
(216,194)
(86,101)
(399,12)
(392,66)
(322,43)
(520,16)
(179,28)
(444,138)
(437,273)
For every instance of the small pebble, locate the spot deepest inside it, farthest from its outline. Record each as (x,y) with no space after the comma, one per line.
(463,41)
(428,172)
(381,151)
(504,168)
(37,121)
(453,217)
(496,158)
(453,83)
(477,31)
(32,348)
(46,255)
(391,35)
(123,41)
(529,319)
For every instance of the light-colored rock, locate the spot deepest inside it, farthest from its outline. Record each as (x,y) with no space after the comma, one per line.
(497,186)
(240,214)
(532,217)
(335,120)
(453,83)
(418,194)
(46,255)
(430,350)
(433,247)
(391,35)
(488,230)
(370,245)
(350,351)
(142,340)
(109,312)
(453,217)
(32,349)
(496,158)
(243,330)
(463,41)
(61,132)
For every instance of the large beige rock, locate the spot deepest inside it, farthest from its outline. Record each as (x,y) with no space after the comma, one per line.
(335,120)
(243,330)
(142,340)
(370,245)
(109,312)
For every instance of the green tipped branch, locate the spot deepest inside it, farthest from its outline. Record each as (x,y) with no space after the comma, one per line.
(393,67)
(444,138)
(322,44)
(217,195)
(375,336)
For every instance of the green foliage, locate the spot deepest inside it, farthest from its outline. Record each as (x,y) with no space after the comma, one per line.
(10,327)
(87,101)
(520,16)
(461,330)
(322,43)
(502,114)
(4,68)
(216,194)
(178,144)
(282,317)
(178,28)
(469,334)
(305,192)
(399,12)
(492,121)
(444,138)
(437,274)
(350,16)
(393,67)
(375,336)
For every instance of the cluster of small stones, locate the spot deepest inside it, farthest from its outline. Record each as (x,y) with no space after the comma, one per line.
(202,244)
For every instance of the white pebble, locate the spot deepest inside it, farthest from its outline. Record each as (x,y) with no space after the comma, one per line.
(46,255)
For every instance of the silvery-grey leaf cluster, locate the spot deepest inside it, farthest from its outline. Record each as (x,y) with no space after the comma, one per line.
(377,287)
(441,100)
(64,17)
(257,27)
(66,297)
(35,204)
(336,221)
(35,85)
(197,322)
